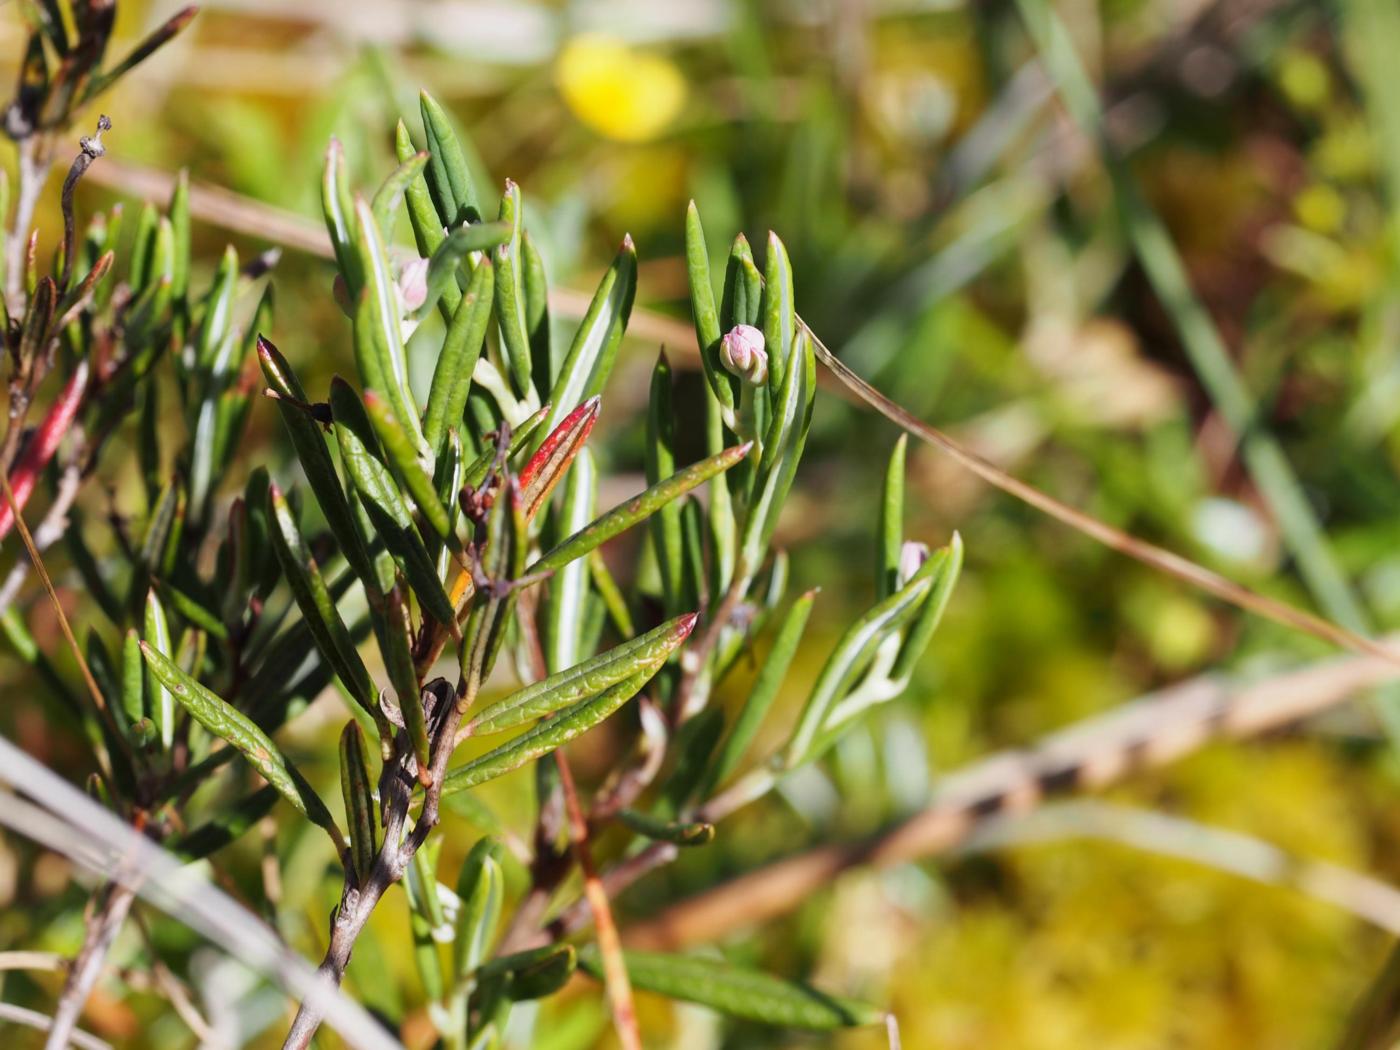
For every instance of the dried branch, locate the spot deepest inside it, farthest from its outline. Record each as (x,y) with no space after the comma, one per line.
(49,530)
(34,1019)
(113,903)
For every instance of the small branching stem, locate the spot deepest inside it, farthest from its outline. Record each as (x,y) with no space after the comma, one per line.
(113,902)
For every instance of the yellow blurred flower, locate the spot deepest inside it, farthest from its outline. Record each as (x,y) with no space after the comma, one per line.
(617,91)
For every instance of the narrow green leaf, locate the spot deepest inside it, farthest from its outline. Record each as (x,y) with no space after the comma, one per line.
(309,440)
(639,656)
(357,791)
(562,617)
(446,262)
(532,974)
(761,696)
(461,348)
(638,509)
(179,214)
(948,566)
(666,536)
(850,656)
(133,678)
(481,890)
(590,357)
(891,524)
(318,608)
(398,661)
(678,833)
(779,314)
(381,501)
(702,307)
(157,636)
(226,722)
(449,178)
(738,992)
(543,738)
(543,366)
(407,468)
(338,209)
(390,194)
(510,292)
(379,349)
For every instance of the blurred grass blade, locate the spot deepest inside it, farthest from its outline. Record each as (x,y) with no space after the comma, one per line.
(639,656)
(738,992)
(543,738)
(235,728)
(638,509)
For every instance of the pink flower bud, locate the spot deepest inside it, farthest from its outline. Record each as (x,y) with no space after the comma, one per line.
(413,284)
(912,556)
(741,352)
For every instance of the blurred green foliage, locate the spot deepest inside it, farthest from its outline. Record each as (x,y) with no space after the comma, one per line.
(956,242)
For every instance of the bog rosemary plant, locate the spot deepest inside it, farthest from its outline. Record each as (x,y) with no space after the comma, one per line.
(454,580)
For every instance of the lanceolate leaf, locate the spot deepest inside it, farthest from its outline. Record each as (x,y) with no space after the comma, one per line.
(452,378)
(157,637)
(416,482)
(679,833)
(638,509)
(481,890)
(549,463)
(591,354)
(308,438)
(543,366)
(738,992)
(640,656)
(339,212)
(848,659)
(379,349)
(381,501)
(390,194)
(946,567)
(543,738)
(531,974)
(422,216)
(357,792)
(702,306)
(510,293)
(229,724)
(761,696)
(318,608)
(565,607)
(661,463)
(779,315)
(787,436)
(446,261)
(398,659)
(891,523)
(449,178)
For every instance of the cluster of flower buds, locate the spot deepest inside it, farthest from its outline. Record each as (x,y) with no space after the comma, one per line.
(741,352)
